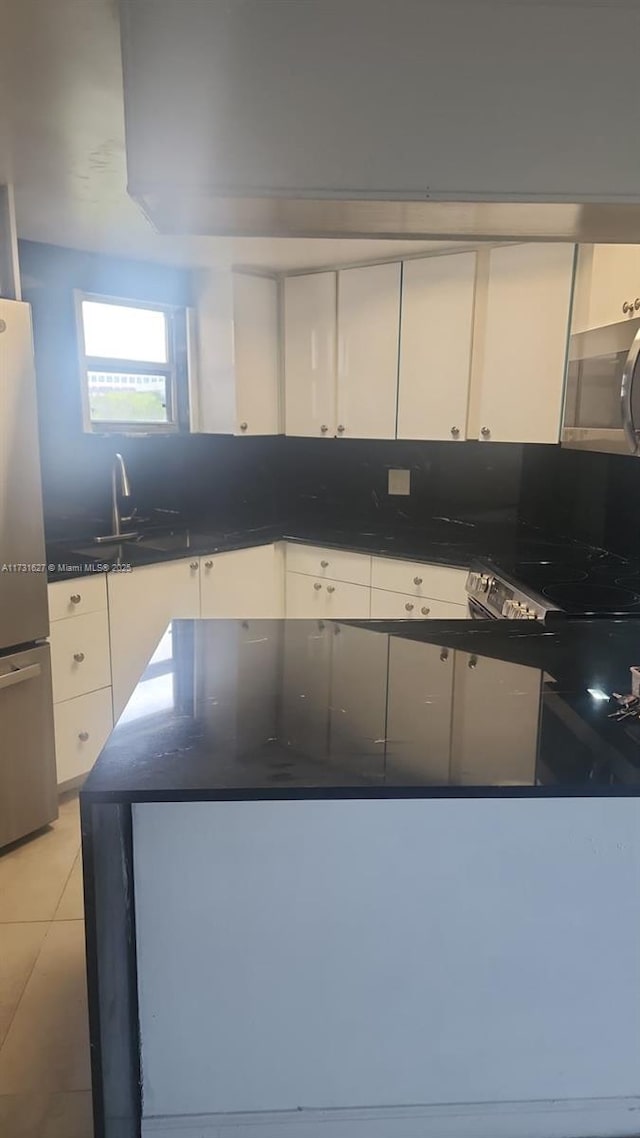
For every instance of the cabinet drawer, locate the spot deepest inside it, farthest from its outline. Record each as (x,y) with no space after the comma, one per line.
(405,606)
(77,596)
(329,564)
(420,580)
(80,655)
(82,727)
(309,597)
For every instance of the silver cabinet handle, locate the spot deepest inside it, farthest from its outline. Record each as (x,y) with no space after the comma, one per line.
(444,655)
(78,657)
(3,326)
(425,611)
(323,429)
(417,580)
(331,588)
(243,426)
(636,303)
(83,736)
(409,607)
(193,565)
(455,431)
(317,586)
(485,432)
(341,429)
(324,564)
(208,564)
(627,307)
(473,662)
(75,598)
(19,675)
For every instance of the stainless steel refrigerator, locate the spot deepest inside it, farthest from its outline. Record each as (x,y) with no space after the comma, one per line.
(28,798)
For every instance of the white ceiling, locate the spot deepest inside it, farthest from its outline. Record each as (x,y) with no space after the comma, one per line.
(62,144)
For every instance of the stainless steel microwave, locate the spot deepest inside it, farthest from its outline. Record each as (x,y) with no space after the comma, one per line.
(602,400)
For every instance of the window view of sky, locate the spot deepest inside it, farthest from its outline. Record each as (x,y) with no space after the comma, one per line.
(116,331)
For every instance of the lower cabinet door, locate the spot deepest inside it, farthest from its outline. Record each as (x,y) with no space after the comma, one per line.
(420,699)
(310,598)
(403,606)
(244,583)
(141,605)
(82,727)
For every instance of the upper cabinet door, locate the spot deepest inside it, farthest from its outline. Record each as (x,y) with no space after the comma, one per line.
(310,354)
(521,342)
(435,346)
(607,285)
(255,321)
(368,344)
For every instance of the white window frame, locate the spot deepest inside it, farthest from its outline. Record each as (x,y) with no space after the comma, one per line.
(130,367)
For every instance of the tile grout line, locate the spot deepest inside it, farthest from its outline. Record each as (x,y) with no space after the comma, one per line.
(66,882)
(29,974)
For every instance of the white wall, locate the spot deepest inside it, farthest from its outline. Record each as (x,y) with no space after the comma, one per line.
(373,953)
(455,99)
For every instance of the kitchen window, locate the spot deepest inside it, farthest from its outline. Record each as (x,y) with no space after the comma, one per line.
(133,365)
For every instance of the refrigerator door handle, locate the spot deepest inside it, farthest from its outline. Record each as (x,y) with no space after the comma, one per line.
(19,675)
(626,394)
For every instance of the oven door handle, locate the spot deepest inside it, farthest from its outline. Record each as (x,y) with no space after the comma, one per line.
(626,393)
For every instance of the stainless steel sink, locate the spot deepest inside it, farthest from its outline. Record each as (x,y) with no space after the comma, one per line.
(95,552)
(165,544)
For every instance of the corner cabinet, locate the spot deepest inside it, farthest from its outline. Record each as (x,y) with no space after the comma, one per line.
(243,583)
(520,345)
(607,285)
(435,346)
(234,355)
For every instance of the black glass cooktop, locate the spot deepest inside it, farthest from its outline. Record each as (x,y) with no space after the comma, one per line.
(600,584)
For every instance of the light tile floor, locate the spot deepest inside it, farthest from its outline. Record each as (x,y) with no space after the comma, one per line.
(44,1043)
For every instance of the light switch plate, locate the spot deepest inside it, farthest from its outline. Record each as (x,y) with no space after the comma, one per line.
(399,481)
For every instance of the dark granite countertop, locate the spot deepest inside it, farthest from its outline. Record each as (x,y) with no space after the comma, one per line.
(444,541)
(285,709)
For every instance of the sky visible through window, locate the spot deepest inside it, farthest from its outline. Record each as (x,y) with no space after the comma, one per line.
(117,332)
(132,334)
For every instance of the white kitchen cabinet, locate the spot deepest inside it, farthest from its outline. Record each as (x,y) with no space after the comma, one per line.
(407,606)
(419,705)
(244,583)
(310,354)
(309,598)
(607,285)
(440,582)
(77,596)
(82,727)
(329,564)
(141,605)
(234,370)
(368,344)
(306,687)
(358,698)
(435,346)
(79,655)
(487,692)
(256,339)
(520,343)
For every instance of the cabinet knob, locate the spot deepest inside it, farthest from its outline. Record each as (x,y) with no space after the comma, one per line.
(75,598)
(455,431)
(243,426)
(409,607)
(425,611)
(636,304)
(208,564)
(193,565)
(323,429)
(627,307)
(83,736)
(473,662)
(444,655)
(341,429)
(3,326)
(317,586)
(331,588)
(324,564)
(78,657)
(417,580)
(485,432)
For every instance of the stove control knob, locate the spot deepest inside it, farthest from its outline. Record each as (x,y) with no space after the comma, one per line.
(479,582)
